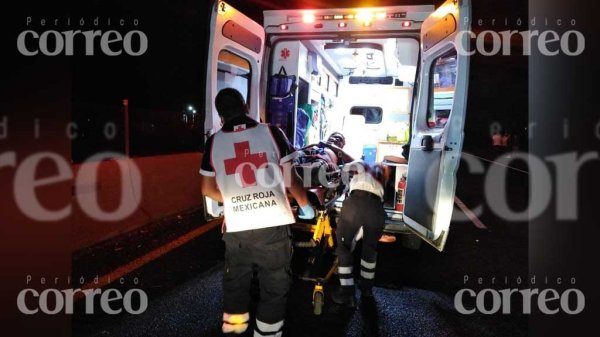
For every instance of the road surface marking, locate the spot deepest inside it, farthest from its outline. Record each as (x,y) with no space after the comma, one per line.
(125,269)
(474,219)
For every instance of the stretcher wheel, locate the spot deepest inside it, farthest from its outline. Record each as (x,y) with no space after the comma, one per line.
(318,301)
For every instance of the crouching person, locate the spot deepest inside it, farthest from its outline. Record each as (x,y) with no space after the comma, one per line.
(362,216)
(242,167)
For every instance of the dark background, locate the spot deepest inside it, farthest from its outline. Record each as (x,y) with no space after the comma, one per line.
(160,84)
(511,90)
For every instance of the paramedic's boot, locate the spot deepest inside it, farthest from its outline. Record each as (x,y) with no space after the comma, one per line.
(366,288)
(344,295)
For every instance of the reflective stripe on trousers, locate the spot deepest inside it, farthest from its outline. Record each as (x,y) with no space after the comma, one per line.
(367,269)
(268,330)
(345,275)
(235,323)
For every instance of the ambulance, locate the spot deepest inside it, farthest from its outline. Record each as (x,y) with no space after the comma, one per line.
(385,77)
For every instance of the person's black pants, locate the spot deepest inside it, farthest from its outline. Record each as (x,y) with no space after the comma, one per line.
(268,251)
(361,210)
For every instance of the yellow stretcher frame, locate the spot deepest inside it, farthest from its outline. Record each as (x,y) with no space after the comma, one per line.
(321,230)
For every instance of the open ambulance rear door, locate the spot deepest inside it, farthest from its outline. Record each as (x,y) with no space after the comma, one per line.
(438,122)
(235,56)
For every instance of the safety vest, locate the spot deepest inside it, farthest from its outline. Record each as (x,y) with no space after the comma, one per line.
(365,181)
(246,163)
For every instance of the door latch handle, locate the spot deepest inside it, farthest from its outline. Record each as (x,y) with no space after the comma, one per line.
(427,143)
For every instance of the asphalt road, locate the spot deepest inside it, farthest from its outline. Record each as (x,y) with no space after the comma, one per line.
(414,291)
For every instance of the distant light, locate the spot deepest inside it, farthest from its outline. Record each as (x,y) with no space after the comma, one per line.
(342,25)
(194,111)
(308,18)
(338,17)
(367,23)
(349,16)
(283,27)
(190,108)
(381,15)
(406,24)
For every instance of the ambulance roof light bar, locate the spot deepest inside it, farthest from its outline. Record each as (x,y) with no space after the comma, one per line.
(364,15)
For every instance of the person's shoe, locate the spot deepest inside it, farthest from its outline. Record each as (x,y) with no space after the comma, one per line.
(387,238)
(344,295)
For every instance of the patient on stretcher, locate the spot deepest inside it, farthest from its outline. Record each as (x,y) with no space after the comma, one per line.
(321,161)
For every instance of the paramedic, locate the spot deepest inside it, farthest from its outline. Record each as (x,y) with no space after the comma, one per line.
(242,167)
(362,216)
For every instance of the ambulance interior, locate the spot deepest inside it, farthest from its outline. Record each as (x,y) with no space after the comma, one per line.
(362,88)
(359,87)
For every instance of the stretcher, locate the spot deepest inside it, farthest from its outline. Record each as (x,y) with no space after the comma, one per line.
(321,262)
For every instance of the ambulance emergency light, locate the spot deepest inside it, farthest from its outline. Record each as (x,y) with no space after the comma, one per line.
(363,15)
(366,17)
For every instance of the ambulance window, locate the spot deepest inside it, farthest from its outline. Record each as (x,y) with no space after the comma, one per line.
(443,82)
(372,114)
(233,72)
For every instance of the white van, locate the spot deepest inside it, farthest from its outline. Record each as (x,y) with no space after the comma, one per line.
(382,76)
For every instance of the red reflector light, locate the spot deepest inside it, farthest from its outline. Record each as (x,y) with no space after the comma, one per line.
(406,24)
(342,25)
(283,27)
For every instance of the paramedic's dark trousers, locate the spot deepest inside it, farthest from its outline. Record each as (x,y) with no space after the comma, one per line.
(268,251)
(361,210)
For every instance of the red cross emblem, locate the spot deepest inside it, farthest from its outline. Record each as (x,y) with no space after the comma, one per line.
(250,161)
(285,53)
